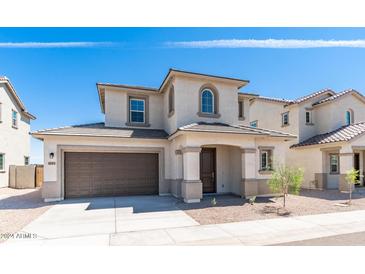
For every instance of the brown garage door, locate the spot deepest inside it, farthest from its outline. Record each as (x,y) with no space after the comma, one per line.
(89,174)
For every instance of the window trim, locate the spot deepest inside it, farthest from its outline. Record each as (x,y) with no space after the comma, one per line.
(171,101)
(338,163)
(2,170)
(215,94)
(269,151)
(16,119)
(310,122)
(351,112)
(145,98)
(241,116)
(282,119)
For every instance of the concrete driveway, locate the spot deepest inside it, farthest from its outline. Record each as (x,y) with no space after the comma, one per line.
(96,221)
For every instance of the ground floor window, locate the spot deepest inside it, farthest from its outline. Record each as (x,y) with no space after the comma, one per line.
(334,163)
(266,159)
(2,161)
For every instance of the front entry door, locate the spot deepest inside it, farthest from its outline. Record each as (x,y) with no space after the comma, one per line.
(207,170)
(357,165)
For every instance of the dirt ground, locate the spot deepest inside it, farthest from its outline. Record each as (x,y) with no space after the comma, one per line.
(18,207)
(231,208)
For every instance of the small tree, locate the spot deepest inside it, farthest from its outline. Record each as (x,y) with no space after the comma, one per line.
(351,179)
(286,180)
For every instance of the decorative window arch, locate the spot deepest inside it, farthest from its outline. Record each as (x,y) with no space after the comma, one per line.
(349,117)
(208,102)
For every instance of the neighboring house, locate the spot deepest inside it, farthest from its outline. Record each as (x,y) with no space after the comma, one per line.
(188,137)
(14,130)
(330,131)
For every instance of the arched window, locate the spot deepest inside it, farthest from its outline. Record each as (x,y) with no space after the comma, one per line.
(207,101)
(349,117)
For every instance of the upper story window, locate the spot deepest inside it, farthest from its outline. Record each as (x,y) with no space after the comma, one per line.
(349,117)
(308,117)
(14,119)
(207,101)
(241,110)
(285,119)
(254,123)
(171,101)
(26,160)
(2,161)
(137,110)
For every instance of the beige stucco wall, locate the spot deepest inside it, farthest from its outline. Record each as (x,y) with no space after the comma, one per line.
(116,108)
(186,97)
(332,115)
(15,143)
(269,115)
(187,102)
(310,160)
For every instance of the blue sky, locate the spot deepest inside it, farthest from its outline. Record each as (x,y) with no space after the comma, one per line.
(55,75)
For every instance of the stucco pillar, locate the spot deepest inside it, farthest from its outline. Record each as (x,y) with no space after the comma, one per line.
(178,174)
(191,186)
(249,185)
(346,163)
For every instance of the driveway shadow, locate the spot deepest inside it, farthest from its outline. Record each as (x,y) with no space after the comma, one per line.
(137,204)
(29,200)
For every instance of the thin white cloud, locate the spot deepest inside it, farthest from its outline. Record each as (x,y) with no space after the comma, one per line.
(269,43)
(54,44)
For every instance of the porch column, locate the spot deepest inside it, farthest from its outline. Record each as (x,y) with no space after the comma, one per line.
(346,163)
(249,185)
(191,186)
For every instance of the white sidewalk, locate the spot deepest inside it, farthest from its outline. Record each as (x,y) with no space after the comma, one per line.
(261,232)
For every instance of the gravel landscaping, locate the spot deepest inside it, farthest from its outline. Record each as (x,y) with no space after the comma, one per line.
(231,208)
(18,207)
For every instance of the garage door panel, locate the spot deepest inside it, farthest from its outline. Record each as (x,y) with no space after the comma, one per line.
(110,174)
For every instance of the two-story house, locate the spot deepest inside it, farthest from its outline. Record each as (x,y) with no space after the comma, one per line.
(14,130)
(330,131)
(188,137)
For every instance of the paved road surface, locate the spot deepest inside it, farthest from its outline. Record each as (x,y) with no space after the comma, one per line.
(338,240)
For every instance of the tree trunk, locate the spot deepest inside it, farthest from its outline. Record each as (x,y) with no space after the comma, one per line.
(284,199)
(350,193)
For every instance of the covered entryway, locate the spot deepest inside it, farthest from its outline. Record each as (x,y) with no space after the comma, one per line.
(91,174)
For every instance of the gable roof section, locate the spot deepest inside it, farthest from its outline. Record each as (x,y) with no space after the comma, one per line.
(298,100)
(172,72)
(7,82)
(225,128)
(340,95)
(342,134)
(100,130)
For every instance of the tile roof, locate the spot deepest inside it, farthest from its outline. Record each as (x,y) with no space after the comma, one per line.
(314,94)
(342,134)
(225,128)
(338,95)
(100,130)
(298,100)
